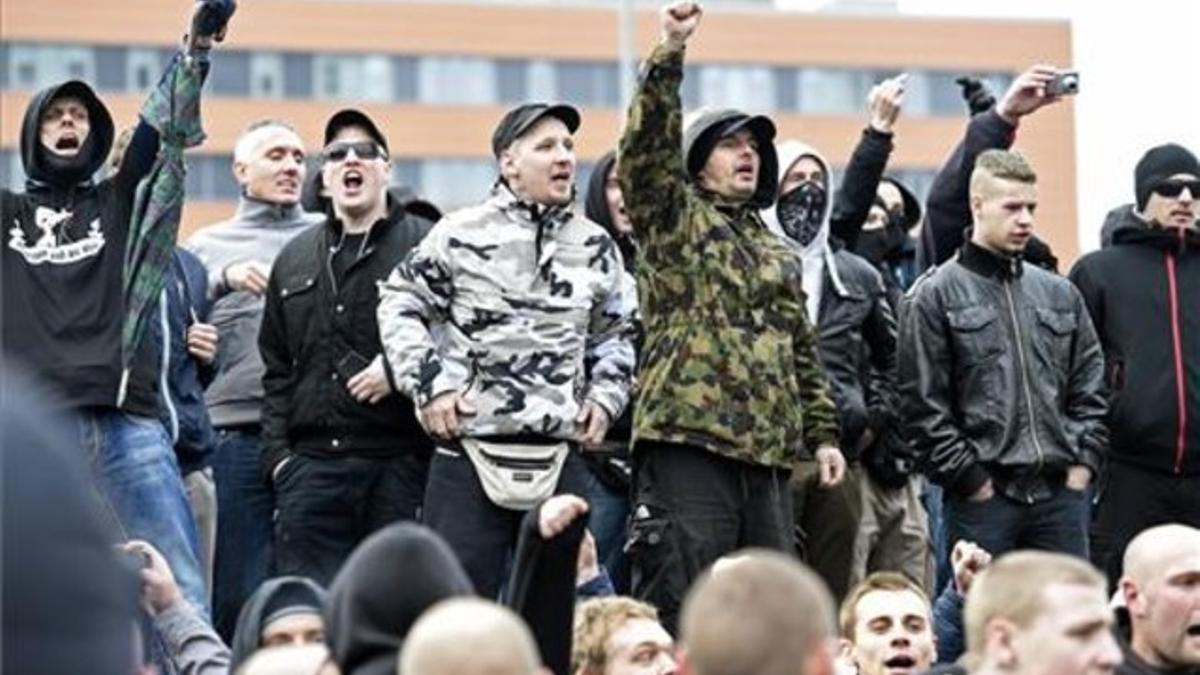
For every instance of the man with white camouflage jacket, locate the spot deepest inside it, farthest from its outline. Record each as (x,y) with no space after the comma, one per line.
(511,328)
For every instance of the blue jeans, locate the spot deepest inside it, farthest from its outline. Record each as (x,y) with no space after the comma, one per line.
(1000,524)
(245,513)
(608,521)
(135,469)
(931,498)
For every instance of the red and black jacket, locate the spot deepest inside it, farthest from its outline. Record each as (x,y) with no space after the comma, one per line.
(1144,296)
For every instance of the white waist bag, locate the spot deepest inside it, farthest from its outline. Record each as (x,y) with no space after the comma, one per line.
(517,475)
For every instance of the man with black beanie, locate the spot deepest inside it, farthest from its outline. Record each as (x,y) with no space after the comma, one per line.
(1142,295)
(340,445)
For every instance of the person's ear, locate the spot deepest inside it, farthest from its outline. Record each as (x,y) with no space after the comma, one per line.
(241,172)
(1000,641)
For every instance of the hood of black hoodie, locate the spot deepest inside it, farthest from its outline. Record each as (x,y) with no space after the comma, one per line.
(384,586)
(248,634)
(595,204)
(96,146)
(1130,230)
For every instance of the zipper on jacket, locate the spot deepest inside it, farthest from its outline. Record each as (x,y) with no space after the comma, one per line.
(1180,374)
(1012,310)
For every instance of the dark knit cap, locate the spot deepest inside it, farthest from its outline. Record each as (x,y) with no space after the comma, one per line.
(1158,164)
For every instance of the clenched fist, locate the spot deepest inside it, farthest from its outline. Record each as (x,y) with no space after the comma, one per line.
(678,20)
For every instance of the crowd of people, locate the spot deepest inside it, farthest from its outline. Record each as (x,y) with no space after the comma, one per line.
(669,425)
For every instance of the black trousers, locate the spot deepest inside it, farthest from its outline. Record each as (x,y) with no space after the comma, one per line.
(326,506)
(480,533)
(1134,499)
(691,507)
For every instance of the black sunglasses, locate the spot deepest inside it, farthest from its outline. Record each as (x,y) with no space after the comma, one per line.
(1174,187)
(368,150)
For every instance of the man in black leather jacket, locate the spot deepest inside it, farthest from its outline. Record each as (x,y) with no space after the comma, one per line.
(1001,376)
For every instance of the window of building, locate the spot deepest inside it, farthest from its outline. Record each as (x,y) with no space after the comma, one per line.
(354,77)
(512,80)
(456,80)
(112,70)
(741,86)
(230,74)
(267,75)
(587,83)
(210,178)
(828,91)
(298,75)
(407,173)
(33,66)
(404,79)
(373,79)
(690,89)
(787,89)
(3,66)
(141,68)
(453,183)
(8,177)
(542,85)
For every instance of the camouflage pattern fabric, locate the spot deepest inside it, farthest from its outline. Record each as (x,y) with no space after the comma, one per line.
(729,363)
(503,302)
(173,109)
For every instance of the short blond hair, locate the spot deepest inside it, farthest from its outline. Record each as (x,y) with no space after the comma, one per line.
(1002,165)
(1013,588)
(595,622)
(764,613)
(877,581)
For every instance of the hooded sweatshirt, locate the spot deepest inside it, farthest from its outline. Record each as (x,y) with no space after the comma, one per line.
(1141,294)
(729,363)
(595,206)
(258,231)
(384,586)
(270,598)
(63,262)
(817,256)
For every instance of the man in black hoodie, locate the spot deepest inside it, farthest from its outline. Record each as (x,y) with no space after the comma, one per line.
(343,449)
(1142,295)
(63,306)
(283,611)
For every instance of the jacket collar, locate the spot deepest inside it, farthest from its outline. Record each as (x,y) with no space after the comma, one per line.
(986,263)
(259,212)
(504,199)
(1135,231)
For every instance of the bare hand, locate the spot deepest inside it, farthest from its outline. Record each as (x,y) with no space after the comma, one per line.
(593,422)
(440,417)
(678,20)
(1027,93)
(202,342)
(968,560)
(1078,477)
(832,466)
(588,565)
(370,385)
(558,512)
(884,103)
(984,493)
(159,590)
(248,275)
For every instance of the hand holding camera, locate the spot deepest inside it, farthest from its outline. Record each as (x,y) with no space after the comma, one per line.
(1035,88)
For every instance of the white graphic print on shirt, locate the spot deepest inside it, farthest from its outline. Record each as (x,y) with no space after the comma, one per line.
(49,247)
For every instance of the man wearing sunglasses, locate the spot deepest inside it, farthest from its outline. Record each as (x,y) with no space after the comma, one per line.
(343,449)
(511,326)
(1143,292)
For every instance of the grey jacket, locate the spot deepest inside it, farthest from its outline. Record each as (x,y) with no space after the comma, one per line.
(258,231)
(192,645)
(504,302)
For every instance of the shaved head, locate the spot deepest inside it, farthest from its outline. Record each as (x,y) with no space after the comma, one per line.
(469,636)
(758,612)
(1161,588)
(290,660)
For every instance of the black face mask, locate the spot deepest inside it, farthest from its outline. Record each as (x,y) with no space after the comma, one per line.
(885,243)
(801,211)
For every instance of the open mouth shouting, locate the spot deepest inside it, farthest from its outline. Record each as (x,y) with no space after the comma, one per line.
(352,181)
(67,143)
(744,171)
(901,664)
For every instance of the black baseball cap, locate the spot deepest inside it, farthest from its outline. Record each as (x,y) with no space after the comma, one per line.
(351,117)
(520,119)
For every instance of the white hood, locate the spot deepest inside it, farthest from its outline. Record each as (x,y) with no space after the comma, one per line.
(817,256)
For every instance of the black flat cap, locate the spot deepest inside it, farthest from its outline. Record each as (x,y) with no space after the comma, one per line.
(520,119)
(351,117)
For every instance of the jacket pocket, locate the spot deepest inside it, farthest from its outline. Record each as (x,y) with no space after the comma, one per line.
(977,333)
(1053,338)
(298,301)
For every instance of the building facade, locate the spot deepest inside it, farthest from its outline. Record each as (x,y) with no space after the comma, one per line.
(438,75)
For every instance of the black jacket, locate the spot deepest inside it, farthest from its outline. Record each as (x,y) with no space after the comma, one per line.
(1144,300)
(317,333)
(856,342)
(1001,376)
(63,262)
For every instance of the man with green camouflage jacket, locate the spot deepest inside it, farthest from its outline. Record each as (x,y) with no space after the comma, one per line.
(731,390)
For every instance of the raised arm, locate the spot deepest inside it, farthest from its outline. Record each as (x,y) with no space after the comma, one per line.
(651,162)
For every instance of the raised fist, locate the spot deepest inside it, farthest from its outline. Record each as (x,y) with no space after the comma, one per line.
(678,20)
